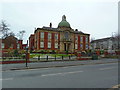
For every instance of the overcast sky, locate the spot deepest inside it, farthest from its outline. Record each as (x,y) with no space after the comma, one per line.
(99,18)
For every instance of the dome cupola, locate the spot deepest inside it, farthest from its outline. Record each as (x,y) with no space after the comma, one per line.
(64,23)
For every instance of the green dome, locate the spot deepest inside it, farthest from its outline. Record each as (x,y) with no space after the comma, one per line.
(64,23)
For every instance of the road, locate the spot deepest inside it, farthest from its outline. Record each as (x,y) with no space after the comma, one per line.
(80,76)
(55,63)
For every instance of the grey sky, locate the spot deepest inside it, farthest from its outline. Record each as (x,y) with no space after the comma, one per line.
(98,18)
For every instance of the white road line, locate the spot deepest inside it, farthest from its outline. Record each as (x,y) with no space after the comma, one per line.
(64,67)
(101,64)
(107,68)
(6,78)
(51,74)
(54,74)
(73,72)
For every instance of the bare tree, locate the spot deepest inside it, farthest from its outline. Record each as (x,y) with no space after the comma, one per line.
(11,34)
(4,29)
(21,34)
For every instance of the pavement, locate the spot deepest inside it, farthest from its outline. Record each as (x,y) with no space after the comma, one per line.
(6,67)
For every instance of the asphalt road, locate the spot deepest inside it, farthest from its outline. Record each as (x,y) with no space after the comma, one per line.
(81,76)
(55,63)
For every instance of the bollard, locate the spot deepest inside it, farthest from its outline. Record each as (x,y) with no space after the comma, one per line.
(47,58)
(39,57)
(62,57)
(55,57)
(69,57)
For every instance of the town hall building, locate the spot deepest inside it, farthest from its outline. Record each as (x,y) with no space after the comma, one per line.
(61,39)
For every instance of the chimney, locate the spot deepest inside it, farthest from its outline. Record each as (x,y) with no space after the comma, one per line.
(50,25)
(76,29)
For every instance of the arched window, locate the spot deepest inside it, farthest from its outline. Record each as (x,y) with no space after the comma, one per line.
(66,35)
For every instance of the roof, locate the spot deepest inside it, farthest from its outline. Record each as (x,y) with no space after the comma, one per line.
(102,39)
(49,28)
(11,37)
(78,32)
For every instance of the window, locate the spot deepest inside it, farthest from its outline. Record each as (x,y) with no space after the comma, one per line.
(18,46)
(49,35)
(76,46)
(11,46)
(42,35)
(42,44)
(86,46)
(81,39)
(56,36)
(86,39)
(81,46)
(66,35)
(2,45)
(56,45)
(49,44)
(76,37)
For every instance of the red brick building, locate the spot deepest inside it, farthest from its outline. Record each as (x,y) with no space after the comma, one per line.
(61,39)
(11,43)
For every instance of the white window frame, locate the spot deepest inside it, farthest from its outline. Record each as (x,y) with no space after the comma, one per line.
(76,37)
(18,46)
(81,46)
(49,35)
(42,35)
(56,45)
(76,46)
(56,35)
(86,39)
(41,44)
(81,39)
(87,46)
(49,44)
(2,45)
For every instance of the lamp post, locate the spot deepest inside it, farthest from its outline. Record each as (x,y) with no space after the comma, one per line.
(26,55)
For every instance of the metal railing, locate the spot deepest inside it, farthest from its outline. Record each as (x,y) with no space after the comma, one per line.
(55,58)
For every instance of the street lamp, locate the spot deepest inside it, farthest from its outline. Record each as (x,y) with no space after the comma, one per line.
(26,55)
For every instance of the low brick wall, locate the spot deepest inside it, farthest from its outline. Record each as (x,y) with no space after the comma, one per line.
(12,62)
(84,58)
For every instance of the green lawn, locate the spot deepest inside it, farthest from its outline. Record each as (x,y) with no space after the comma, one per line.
(52,55)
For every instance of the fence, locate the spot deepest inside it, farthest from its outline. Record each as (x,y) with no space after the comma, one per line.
(55,58)
(39,58)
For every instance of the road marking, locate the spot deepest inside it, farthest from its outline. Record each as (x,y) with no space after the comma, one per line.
(6,79)
(107,68)
(64,67)
(54,74)
(102,64)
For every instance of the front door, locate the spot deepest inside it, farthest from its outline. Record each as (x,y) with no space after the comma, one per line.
(65,47)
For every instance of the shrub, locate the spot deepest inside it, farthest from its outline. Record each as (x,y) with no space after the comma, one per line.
(16,53)
(67,52)
(53,51)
